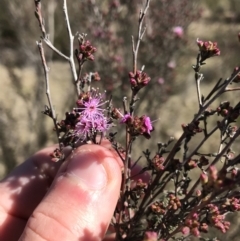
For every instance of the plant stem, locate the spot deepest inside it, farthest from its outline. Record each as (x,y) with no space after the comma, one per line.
(71,42)
(48,93)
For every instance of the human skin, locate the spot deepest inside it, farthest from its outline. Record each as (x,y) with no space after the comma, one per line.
(74,201)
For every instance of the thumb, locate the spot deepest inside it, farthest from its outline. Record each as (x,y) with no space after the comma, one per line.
(81,200)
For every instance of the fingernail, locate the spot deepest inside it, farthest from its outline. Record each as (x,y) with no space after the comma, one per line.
(88,168)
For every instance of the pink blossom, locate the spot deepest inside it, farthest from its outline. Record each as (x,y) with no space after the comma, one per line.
(138,80)
(171,64)
(83,127)
(185,230)
(207,49)
(178,31)
(204,178)
(195,216)
(86,51)
(126,118)
(92,108)
(91,115)
(150,236)
(147,124)
(195,232)
(161,80)
(101,124)
(138,125)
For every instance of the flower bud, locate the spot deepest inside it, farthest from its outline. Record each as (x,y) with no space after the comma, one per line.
(204,178)
(207,49)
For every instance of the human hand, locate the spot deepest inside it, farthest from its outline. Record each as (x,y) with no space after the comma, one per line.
(45,201)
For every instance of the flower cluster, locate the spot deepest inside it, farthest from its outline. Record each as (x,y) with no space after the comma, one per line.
(217,219)
(215,180)
(171,202)
(194,226)
(158,207)
(86,120)
(85,51)
(139,190)
(138,80)
(158,162)
(138,125)
(207,49)
(231,204)
(226,110)
(92,117)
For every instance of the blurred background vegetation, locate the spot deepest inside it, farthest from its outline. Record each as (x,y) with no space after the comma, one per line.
(109,25)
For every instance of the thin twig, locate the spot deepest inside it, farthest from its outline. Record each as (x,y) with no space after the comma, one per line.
(52,47)
(38,14)
(135,48)
(199,78)
(232,89)
(71,42)
(48,93)
(216,87)
(140,35)
(216,159)
(45,37)
(200,144)
(221,91)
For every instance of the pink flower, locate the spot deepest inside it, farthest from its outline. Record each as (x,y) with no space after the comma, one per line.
(138,125)
(92,108)
(150,236)
(90,105)
(147,123)
(138,80)
(126,118)
(195,232)
(101,124)
(171,64)
(195,216)
(92,117)
(185,230)
(178,31)
(207,49)
(161,81)
(83,128)
(204,178)
(86,51)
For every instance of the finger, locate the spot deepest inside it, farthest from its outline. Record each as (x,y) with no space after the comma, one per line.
(18,190)
(81,200)
(37,173)
(22,190)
